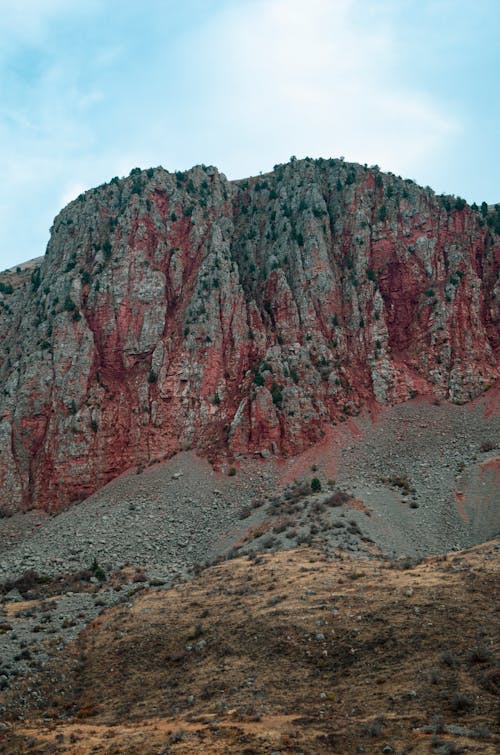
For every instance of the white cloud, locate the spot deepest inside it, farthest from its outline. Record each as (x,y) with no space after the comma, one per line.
(314,79)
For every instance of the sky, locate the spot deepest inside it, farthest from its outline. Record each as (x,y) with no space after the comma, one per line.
(90,89)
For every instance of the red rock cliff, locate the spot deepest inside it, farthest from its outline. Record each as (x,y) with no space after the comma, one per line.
(183,310)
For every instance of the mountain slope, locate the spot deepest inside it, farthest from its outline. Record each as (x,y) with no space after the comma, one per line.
(177,311)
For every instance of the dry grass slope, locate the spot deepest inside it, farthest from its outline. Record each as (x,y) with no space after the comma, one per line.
(289,652)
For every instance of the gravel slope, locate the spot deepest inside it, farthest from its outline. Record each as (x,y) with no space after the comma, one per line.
(166,522)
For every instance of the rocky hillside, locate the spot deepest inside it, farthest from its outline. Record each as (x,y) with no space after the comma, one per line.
(176,311)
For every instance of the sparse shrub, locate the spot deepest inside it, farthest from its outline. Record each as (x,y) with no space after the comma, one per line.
(268,541)
(356,574)
(487,445)
(299,490)
(434,676)
(490,680)
(448,659)
(276,599)
(479,654)
(177,736)
(375,727)
(195,632)
(280,527)
(338,498)
(28,581)
(87,711)
(399,482)
(305,539)
(445,747)
(461,703)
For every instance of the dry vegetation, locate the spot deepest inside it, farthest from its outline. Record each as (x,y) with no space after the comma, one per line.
(290,652)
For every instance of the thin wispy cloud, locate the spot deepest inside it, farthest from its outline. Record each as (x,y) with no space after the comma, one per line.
(90,90)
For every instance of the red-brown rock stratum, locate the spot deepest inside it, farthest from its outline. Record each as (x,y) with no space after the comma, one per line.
(181,310)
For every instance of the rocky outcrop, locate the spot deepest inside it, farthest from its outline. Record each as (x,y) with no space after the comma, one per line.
(182,310)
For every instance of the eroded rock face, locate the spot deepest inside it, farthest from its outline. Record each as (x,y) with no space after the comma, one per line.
(180,311)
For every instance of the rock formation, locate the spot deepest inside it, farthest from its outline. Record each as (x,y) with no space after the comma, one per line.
(181,310)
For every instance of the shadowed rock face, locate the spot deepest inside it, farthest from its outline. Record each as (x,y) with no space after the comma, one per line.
(182,310)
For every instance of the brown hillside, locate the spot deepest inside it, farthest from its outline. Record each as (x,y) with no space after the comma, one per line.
(292,652)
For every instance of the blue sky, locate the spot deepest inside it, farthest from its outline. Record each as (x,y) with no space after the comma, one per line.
(92,88)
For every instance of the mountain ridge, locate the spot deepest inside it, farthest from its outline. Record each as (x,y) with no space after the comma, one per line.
(181,310)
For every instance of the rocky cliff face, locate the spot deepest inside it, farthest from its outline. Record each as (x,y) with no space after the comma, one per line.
(181,310)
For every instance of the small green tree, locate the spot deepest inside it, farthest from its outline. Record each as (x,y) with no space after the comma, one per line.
(69,304)
(35,279)
(315,485)
(98,571)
